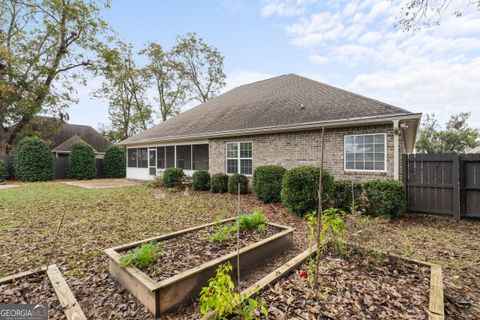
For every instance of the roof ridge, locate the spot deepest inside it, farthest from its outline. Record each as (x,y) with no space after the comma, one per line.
(247,84)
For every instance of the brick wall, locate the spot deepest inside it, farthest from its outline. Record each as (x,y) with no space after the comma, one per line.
(293,149)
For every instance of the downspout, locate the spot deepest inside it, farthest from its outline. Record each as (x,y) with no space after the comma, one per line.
(396,151)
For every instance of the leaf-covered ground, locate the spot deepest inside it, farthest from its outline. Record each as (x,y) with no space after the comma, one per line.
(98,219)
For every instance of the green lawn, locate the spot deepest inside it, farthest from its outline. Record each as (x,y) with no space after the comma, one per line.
(100,218)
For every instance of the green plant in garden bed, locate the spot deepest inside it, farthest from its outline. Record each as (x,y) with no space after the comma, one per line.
(143,256)
(220,298)
(254,221)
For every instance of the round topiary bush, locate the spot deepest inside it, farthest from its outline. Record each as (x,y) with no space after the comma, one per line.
(114,161)
(3,170)
(219,183)
(233,182)
(267,183)
(201,180)
(300,189)
(172,177)
(342,195)
(33,160)
(81,162)
(385,198)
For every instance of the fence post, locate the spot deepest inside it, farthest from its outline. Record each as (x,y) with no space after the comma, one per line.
(405,177)
(456,187)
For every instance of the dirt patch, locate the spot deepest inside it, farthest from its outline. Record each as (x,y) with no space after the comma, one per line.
(194,248)
(353,287)
(103,183)
(32,289)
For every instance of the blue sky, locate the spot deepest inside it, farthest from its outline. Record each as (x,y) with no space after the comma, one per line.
(349,44)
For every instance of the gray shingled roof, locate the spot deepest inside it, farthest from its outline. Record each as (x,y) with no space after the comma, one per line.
(284,100)
(66,146)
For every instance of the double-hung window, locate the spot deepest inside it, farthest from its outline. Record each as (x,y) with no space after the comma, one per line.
(239,158)
(365,152)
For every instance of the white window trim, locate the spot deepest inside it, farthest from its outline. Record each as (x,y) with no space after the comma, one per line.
(238,158)
(364,134)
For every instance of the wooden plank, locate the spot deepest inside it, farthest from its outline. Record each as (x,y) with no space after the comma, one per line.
(21,275)
(436,305)
(65,296)
(456,189)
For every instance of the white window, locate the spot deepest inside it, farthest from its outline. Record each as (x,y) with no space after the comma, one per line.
(365,152)
(239,157)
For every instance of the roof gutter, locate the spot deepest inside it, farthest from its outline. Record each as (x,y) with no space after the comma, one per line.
(348,122)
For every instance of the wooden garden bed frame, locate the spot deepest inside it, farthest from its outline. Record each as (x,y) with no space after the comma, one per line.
(436,304)
(163,296)
(67,300)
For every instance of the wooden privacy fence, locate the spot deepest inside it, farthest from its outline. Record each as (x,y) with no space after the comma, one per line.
(61,165)
(447,184)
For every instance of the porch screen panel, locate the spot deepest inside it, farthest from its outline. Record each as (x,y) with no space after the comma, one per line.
(184,157)
(142,157)
(170,152)
(132,158)
(200,156)
(161,157)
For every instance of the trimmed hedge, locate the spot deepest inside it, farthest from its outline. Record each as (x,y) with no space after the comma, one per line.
(81,162)
(385,198)
(267,183)
(114,162)
(33,160)
(172,177)
(219,183)
(3,170)
(343,194)
(233,182)
(300,189)
(201,180)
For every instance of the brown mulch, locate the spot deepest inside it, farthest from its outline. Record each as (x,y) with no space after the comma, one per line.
(32,289)
(354,287)
(192,249)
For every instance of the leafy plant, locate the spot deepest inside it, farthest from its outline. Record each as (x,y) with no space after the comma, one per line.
(344,197)
(223,233)
(386,198)
(236,179)
(143,256)
(3,170)
(251,221)
(114,162)
(219,183)
(33,160)
(81,162)
(220,298)
(172,177)
(201,180)
(300,189)
(157,182)
(267,182)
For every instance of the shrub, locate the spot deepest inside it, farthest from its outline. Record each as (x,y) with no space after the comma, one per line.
(385,198)
(3,170)
(219,183)
(342,194)
(81,162)
(267,183)
(172,177)
(233,182)
(201,180)
(114,161)
(142,256)
(300,189)
(33,160)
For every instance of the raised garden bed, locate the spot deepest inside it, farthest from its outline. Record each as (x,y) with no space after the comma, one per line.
(42,287)
(189,259)
(365,285)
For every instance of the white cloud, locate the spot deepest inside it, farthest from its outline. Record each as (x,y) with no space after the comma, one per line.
(284,8)
(241,77)
(434,69)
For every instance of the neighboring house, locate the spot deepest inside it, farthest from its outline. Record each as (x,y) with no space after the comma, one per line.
(279,121)
(61,135)
(473,150)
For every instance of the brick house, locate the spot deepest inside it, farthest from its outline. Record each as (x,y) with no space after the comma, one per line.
(279,121)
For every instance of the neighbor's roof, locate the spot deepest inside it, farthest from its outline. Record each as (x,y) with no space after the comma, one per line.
(473,150)
(277,102)
(67,145)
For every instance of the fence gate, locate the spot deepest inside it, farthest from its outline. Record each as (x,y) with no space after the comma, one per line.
(447,184)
